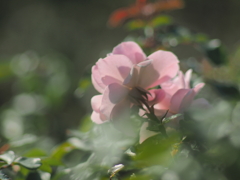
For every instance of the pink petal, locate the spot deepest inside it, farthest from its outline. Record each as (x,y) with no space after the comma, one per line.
(180,81)
(182,99)
(169,72)
(95,117)
(188,99)
(198,87)
(163,103)
(131,50)
(172,86)
(96,102)
(96,80)
(137,75)
(114,69)
(153,95)
(142,75)
(148,76)
(132,77)
(160,67)
(144,133)
(165,62)
(113,94)
(157,95)
(161,112)
(177,99)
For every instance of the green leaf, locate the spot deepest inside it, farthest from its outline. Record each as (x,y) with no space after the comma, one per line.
(160,21)
(84,84)
(79,144)
(160,154)
(86,124)
(141,177)
(168,119)
(5,71)
(35,153)
(115,169)
(52,162)
(8,157)
(2,163)
(200,38)
(23,140)
(29,163)
(24,171)
(62,150)
(61,173)
(45,167)
(136,24)
(153,126)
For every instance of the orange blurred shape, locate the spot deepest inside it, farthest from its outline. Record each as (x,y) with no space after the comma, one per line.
(4,148)
(142,9)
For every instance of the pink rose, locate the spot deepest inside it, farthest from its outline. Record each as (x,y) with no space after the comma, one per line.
(175,97)
(176,94)
(124,77)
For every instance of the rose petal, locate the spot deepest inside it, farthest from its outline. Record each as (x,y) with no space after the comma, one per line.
(188,99)
(162,66)
(198,87)
(177,99)
(95,117)
(172,86)
(148,76)
(113,69)
(96,102)
(160,113)
(179,81)
(157,95)
(169,72)
(165,62)
(96,80)
(132,77)
(113,94)
(163,102)
(183,98)
(131,50)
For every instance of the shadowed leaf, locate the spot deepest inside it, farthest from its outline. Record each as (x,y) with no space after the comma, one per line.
(29,163)
(8,157)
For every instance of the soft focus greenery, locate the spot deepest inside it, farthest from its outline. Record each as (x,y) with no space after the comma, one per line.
(47,134)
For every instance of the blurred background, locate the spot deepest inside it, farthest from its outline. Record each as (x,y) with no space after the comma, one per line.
(47,49)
